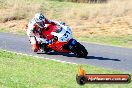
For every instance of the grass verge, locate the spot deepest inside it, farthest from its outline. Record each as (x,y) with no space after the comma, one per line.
(13,31)
(21,71)
(123,41)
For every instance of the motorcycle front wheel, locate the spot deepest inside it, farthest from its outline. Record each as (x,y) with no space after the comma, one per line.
(79,50)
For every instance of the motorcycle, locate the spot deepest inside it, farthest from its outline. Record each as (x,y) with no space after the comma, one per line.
(62,40)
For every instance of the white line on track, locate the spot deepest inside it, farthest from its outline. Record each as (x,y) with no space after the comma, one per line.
(39,57)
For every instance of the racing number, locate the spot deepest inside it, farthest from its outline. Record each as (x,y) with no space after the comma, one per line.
(66,34)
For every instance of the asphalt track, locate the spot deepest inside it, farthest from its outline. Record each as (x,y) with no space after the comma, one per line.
(111,57)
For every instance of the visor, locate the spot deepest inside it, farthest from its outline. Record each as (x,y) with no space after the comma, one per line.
(41,24)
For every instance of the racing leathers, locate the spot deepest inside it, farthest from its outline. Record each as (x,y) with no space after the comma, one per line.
(34,33)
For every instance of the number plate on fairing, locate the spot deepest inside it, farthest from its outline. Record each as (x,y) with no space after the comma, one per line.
(64,35)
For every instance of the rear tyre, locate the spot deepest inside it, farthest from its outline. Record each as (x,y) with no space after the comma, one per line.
(79,50)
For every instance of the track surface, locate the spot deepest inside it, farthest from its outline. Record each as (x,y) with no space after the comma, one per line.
(116,58)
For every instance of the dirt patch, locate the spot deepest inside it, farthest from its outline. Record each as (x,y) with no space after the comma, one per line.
(116,26)
(15,25)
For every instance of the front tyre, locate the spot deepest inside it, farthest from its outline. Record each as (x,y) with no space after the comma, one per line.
(80,50)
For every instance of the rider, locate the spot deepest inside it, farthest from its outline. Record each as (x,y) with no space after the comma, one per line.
(34,29)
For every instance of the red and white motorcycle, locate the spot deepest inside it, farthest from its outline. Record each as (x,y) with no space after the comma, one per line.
(61,35)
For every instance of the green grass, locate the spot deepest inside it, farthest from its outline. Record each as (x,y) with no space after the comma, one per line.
(124,41)
(21,71)
(13,31)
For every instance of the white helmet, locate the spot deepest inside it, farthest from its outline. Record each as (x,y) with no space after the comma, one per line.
(40,20)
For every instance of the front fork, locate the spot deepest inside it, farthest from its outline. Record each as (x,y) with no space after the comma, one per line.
(71,44)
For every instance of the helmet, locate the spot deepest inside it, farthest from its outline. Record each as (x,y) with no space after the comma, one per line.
(40,20)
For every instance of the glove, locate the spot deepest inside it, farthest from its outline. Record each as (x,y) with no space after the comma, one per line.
(41,40)
(49,41)
(35,48)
